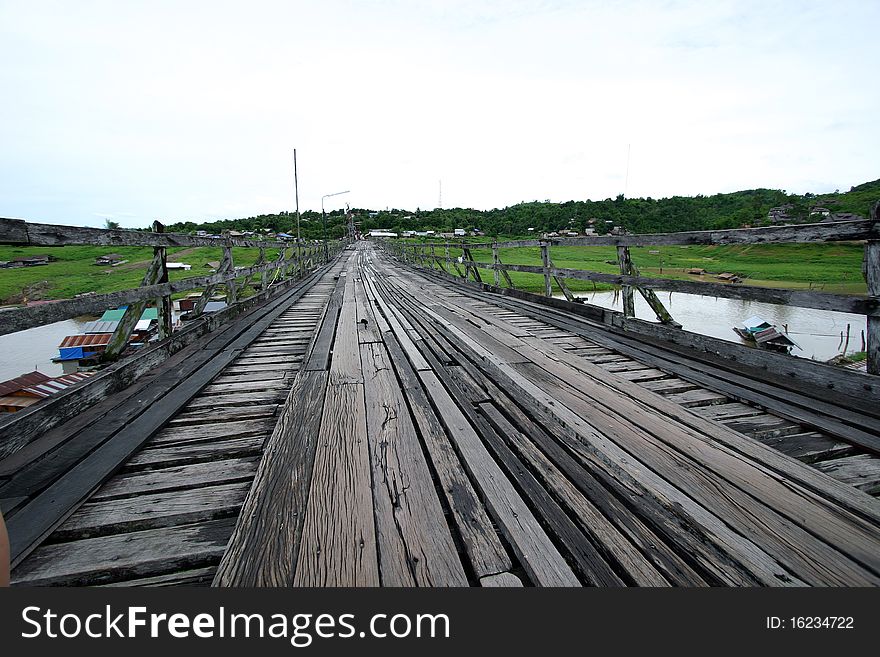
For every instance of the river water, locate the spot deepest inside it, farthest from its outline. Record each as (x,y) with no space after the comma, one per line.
(818,332)
(35,348)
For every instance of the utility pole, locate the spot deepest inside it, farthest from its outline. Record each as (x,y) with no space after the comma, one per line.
(296,191)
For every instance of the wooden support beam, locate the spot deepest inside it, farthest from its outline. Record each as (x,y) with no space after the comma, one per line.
(545,266)
(163,303)
(872,276)
(470,265)
(132,315)
(625,264)
(495,271)
(231,288)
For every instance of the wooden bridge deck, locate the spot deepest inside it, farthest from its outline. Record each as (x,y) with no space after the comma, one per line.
(434,435)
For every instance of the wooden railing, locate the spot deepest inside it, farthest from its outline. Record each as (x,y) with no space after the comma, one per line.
(426,255)
(290,261)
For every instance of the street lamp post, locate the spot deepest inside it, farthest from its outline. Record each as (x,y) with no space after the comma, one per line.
(324,219)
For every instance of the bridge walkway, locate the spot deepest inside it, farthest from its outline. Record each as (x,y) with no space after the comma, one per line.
(384,426)
(452,439)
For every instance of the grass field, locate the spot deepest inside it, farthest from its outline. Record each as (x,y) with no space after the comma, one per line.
(826,267)
(74,271)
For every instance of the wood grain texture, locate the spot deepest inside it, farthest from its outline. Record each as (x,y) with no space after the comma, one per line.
(339,537)
(111,558)
(264,547)
(415,544)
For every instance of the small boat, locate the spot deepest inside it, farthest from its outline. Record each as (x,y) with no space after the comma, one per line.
(765,335)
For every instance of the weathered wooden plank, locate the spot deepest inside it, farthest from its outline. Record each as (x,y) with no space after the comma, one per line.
(246,386)
(194,577)
(180,477)
(319,356)
(367,327)
(725,412)
(698,397)
(264,547)
(862,471)
(249,377)
(484,549)
(153,510)
(166,457)
(591,521)
(178,435)
(238,400)
(111,558)
(534,549)
(763,426)
(669,386)
(339,537)
(210,415)
(505,580)
(810,447)
(414,542)
(16,231)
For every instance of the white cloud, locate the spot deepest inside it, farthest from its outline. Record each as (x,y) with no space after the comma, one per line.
(192,109)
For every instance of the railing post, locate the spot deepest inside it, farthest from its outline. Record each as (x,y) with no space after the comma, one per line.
(872,278)
(132,315)
(495,273)
(625,264)
(433,257)
(163,304)
(545,264)
(231,291)
(448,259)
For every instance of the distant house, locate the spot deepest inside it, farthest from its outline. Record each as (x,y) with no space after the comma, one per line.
(109,259)
(459,232)
(178,265)
(590,232)
(212,264)
(201,233)
(382,233)
(695,271)
(727,277)
(779,215)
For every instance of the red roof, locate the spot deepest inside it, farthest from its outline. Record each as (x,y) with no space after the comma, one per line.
(21,382)
(37,384)
(90,340)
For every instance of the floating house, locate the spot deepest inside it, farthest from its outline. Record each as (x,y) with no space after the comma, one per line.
(764,334)
(26,390)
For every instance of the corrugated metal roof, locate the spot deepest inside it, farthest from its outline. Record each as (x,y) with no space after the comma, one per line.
(37,384)
(91,340)
(116,314)
(23,381)
(99,326)
(57,384)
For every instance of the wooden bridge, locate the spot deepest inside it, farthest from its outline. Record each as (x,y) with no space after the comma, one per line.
(371,420)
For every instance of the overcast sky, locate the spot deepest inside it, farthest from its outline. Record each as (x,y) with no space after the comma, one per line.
(191,110)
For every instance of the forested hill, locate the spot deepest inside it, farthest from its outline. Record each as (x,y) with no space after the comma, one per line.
(638,215)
